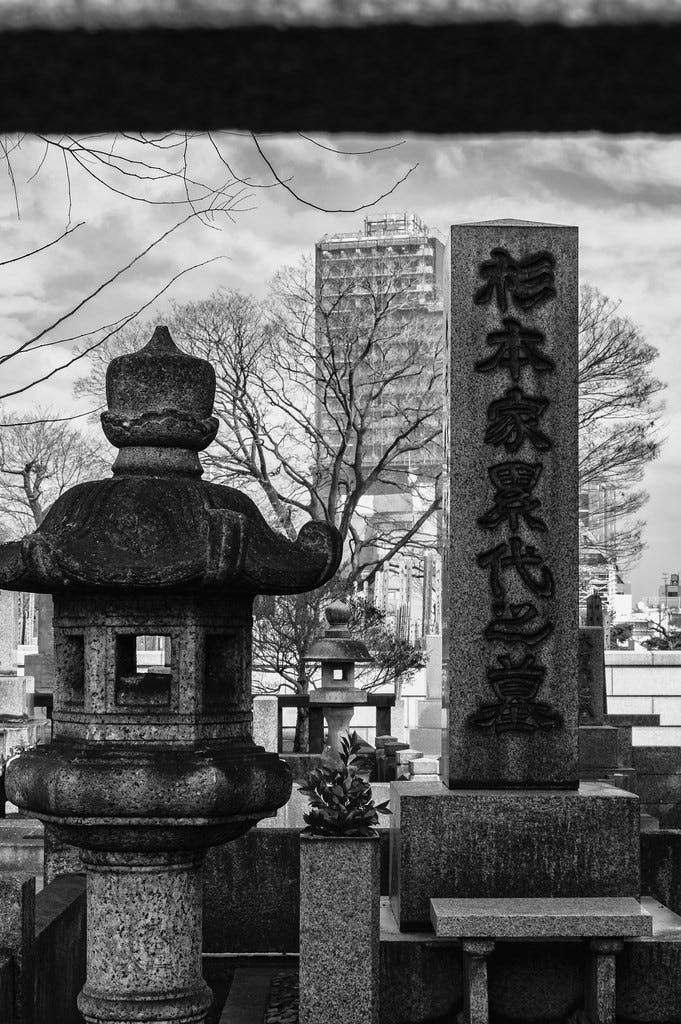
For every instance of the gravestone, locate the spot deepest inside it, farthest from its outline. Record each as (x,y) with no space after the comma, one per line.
(514,820)
(597,742)
(265,716)
(9,616)
(427,735)
(41,665)
(512,548)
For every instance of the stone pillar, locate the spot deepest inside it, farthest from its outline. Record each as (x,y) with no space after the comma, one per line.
(475,987)
(160,957)
(600,987)
(265,732)
(9,620)
(511,551)
(340,962)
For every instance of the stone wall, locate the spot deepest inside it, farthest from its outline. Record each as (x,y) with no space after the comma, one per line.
(646,683)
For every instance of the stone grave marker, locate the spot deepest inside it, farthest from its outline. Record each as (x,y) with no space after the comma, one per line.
(512,548)
(514,820)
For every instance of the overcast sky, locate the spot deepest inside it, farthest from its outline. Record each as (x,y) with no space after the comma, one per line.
(624,194)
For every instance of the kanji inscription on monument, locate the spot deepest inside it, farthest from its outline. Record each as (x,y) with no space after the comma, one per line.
(511,507)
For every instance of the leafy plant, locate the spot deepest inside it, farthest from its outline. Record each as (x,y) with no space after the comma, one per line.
(341,800)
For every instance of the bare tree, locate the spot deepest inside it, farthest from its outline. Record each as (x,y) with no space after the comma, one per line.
(194,172)
(321,403)
(39,460)
(620,418)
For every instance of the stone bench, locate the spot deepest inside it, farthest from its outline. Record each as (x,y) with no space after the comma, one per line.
(604,921)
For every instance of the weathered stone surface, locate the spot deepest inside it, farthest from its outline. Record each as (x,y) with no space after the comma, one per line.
(265,718)
(600,987)
(155,524)
(476,995)
(573,917)
(425,766)
(405,756)
(598,746)
(499,843)
(16,696)
(8,632)
(339,930)
(591,675)
(510,591)
(149,907)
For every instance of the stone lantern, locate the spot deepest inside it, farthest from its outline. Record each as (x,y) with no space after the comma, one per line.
(338,652)
(148,768)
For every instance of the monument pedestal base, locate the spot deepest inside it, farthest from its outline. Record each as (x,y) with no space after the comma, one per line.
(507,843)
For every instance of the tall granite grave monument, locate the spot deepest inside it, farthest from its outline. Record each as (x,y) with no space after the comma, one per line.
(514,820)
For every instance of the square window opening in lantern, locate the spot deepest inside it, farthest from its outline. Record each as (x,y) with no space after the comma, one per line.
(143,670)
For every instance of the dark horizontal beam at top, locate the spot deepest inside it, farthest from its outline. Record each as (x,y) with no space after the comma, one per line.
(450,78)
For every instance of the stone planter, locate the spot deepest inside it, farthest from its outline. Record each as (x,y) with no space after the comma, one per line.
(339,929)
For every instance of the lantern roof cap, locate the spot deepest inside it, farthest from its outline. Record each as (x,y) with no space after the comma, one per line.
(338,645)
(155,525)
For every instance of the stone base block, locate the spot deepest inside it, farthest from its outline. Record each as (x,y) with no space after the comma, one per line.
(425,766)
(427,740)
(483,843)
(339,963)
(597,747)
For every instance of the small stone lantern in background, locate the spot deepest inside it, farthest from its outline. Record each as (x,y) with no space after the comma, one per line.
(338,652)
(149,768)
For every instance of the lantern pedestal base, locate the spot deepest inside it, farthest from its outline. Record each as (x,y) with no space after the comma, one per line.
(144,939)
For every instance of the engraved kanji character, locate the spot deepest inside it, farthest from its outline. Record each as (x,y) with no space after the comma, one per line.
(513,483)
(523,559)
(515,418)
(516,346)
(529,280)
(511,627)
(516,684)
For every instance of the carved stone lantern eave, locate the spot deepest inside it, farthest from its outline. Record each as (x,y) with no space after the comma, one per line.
(148,768)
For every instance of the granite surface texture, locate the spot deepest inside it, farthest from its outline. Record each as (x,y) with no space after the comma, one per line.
(339,930)
(16,696)
(533,918)
(591,669)
(476,993)
(144,936)
(598,747)
(477,843)
(510,588)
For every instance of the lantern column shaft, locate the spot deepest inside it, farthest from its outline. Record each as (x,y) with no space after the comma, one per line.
(144,966)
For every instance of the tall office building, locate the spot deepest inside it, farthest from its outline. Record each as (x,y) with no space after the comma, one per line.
(378,290)
(384,279)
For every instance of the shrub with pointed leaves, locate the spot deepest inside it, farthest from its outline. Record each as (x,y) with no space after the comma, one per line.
(340,799)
